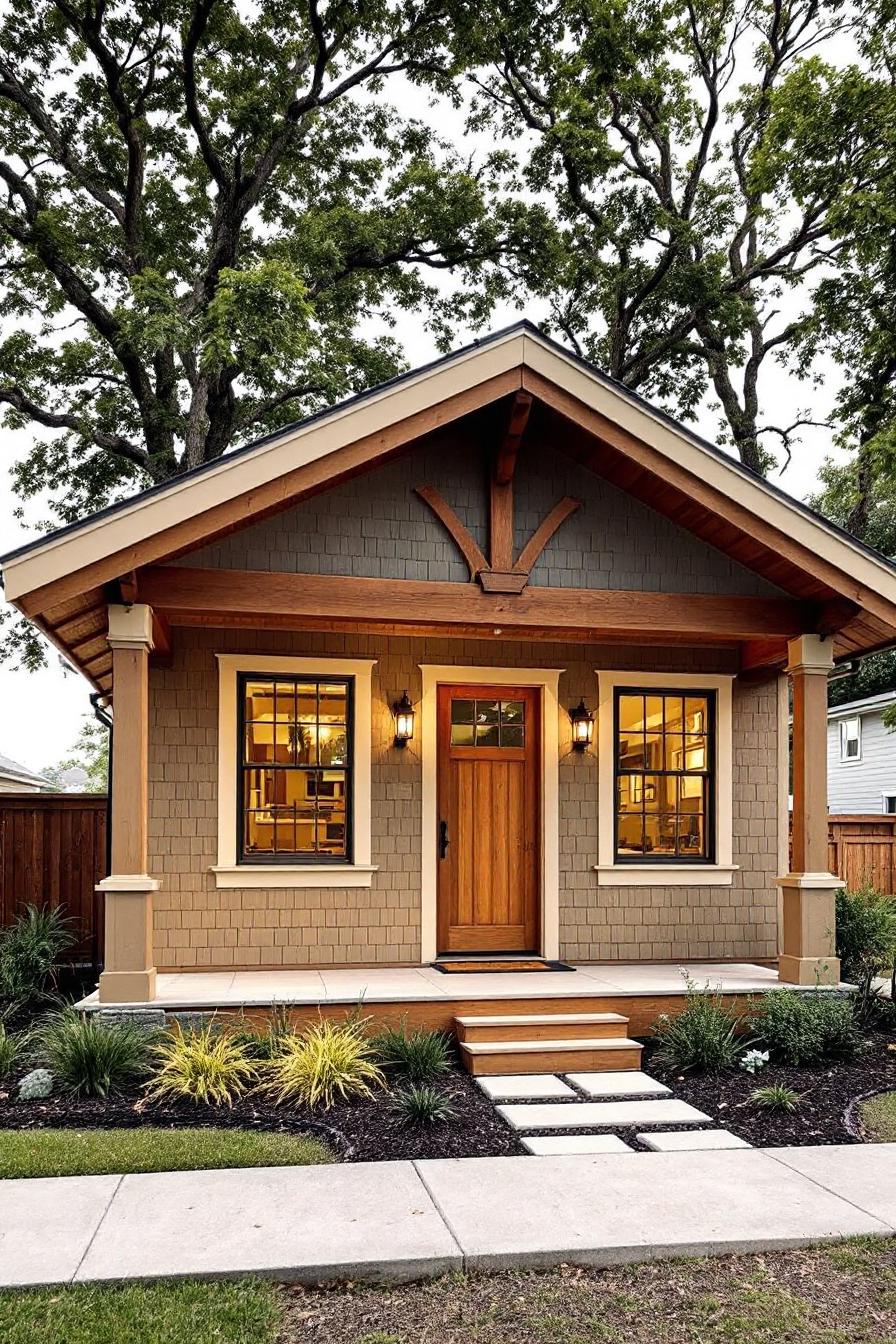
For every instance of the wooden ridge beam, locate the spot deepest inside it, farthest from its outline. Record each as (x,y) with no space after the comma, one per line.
(505,460)
(217,596)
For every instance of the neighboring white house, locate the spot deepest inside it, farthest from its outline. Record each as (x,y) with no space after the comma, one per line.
(861,756)
(15,778)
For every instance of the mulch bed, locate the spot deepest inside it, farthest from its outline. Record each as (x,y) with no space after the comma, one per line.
(359,1131)
(826,1092)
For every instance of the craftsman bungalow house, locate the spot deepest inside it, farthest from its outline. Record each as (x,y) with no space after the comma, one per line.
(490,659)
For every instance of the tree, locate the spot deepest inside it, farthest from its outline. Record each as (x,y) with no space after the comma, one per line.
(210,216)
(90,754)
(695,150)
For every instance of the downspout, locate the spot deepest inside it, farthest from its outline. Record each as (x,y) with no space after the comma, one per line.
(102,716)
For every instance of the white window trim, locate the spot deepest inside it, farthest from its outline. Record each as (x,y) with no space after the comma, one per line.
(612,874)
(228,872)
(548,680)
(844,759)
(885,794)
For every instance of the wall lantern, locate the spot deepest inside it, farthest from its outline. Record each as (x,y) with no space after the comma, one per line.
(582,721)
(403,713)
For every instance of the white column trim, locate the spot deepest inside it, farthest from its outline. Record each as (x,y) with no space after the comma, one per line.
(130,627)
(718,874)
(548,680)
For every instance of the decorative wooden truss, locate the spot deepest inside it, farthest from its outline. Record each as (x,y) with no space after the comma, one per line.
(499,573)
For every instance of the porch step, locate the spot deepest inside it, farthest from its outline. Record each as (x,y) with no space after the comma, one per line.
(542,1027)
(550,1056)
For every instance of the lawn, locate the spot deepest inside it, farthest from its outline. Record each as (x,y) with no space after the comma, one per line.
(842,1294)
(879,1117)
(96,1152)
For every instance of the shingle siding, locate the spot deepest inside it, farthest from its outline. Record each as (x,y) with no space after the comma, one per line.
(197,925)
(374,526)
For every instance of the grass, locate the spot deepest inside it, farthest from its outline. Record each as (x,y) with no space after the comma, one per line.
(841,1294)
(879,1117)
(97,1152)
(242,1312)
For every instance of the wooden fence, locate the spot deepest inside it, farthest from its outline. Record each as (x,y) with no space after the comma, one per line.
(53,852)
(863,849)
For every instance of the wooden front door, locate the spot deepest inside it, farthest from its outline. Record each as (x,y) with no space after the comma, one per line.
(489,818)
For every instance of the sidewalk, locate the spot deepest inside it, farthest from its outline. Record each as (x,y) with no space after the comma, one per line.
(403,1220)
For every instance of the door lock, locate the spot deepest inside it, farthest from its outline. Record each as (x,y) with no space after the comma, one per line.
(443,839)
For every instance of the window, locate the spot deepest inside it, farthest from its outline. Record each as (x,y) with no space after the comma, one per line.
(664,776)
(850,739)
(488,723)
(890,804)
(295,768)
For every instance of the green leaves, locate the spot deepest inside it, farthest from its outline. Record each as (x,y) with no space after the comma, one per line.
(258,320)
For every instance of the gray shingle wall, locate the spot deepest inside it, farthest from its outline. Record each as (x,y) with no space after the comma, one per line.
(198,926)
(375,526)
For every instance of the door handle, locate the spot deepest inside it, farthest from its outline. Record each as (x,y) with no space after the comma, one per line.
(443,839)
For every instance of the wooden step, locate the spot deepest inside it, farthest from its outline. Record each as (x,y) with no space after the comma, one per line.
(550,1056)
(541,1027)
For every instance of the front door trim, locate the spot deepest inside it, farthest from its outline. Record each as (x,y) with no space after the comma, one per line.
(546,678)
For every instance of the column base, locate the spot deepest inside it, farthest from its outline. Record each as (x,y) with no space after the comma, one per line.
(128,986)
(808,970)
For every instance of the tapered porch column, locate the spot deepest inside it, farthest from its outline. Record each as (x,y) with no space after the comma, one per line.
(129,975)
(808,939)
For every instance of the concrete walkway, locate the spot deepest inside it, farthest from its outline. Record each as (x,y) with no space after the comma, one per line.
(402,1220)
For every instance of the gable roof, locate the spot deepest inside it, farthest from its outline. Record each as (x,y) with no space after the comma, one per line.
(10,769)
(674,468)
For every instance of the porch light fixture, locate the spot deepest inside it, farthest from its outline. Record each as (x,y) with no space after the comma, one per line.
(582,721)
(403,714)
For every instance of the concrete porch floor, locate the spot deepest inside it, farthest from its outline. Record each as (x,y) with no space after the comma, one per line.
(245,989)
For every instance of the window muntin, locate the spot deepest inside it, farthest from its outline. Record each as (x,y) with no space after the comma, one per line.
(850,739)
(664,773)
(295,781)
(488,722)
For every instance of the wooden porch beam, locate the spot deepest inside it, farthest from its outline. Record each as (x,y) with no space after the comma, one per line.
(220,596)
(505,461)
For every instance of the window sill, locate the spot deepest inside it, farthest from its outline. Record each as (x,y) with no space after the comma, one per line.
(297,875)
(665,874)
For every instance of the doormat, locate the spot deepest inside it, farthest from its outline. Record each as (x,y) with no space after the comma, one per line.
(516,965)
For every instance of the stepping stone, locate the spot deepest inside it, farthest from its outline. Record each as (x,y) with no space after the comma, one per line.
(523,1087)
(558,1145)
(601,1114)
(619,1083)
(695,1140)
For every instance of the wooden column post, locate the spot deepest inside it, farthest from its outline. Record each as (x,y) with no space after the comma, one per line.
(808,942)
(129,975)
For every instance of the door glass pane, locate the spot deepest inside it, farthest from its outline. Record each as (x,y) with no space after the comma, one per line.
(513,711)
(462,711)
(512,735)
(462,734)
(487,735)
(487,711)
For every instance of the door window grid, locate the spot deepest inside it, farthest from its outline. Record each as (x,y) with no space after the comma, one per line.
(295,763)
(488,723)
(664,776)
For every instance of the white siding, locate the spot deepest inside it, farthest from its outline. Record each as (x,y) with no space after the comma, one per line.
(859,786)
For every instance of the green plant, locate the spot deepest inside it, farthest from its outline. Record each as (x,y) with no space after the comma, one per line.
(419,1055)
(328,1060)
(421,1104)
(267,1043)
(204,1065)
(777,1097)
(30,947)
(805,1027)
(9,1051)
(702,1037)
(866,940)
(92,1058)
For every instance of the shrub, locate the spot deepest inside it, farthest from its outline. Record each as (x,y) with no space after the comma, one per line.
(805,1028)
(93,1058)
(328,1060)
(866,937)
(702,1037)
(9,1050)
(420,1056)
(777,1097)
(423,1105)
(204,1065)
(267,1043)
(29,950)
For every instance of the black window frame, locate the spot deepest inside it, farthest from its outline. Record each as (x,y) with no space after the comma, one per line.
(678,860)
(296,858)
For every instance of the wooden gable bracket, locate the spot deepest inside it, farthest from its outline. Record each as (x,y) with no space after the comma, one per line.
(499,574)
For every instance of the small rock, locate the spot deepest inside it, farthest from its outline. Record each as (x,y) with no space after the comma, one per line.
(36,1084)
